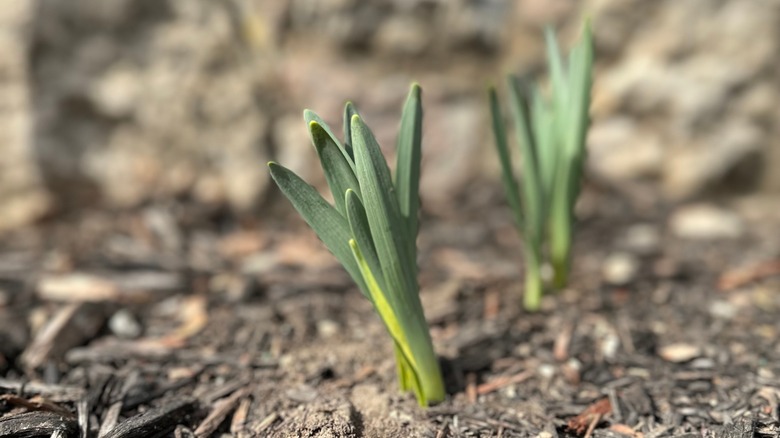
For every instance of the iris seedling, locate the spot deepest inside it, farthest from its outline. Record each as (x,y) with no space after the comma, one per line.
(372,230)
(550,130)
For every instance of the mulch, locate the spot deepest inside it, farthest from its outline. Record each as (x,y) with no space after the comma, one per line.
(177,320)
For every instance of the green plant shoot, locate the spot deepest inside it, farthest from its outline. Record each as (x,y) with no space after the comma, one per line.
(372,230)
(551,129)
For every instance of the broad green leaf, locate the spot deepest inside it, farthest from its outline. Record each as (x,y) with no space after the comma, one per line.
(349,111)
(338,172)
(383,213)
(407,172)
(389,235)
(358,224)
(560,92)
(404,354)
(581,82)
(543,122)
(310,116)
(381,303)
(532,199)
(504,157)
(575,123)
(329,225)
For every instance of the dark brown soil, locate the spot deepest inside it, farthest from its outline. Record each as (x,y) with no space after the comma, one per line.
(172,320)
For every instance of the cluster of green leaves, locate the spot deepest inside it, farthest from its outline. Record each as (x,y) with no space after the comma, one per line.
(372,230)
(550,130)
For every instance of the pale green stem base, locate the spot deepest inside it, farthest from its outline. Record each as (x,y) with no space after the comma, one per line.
(560,251)
(560,273)
(427,382)
(534,287)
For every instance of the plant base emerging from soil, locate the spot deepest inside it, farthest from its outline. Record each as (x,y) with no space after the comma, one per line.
(372,230)
(551,134)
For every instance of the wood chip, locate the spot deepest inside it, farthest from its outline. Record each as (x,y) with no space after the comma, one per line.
(133,287)
(735,278)
(743,427)
(154,422)
(266,423)
(193,315)
(238,422)
(71,326)
(219,412)
(471,387)
(492,304)
(240,244)
(584,423)
(77,287)
(36,403)
(38,423)
(627,430)
(504,381)
(680,352)
(562,341)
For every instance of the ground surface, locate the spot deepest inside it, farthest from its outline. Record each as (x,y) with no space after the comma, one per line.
(172,321)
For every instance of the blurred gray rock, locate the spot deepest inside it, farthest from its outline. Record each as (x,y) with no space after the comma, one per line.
(23,196)
(452,147)
(620,149)
(402,27)
(148,99)
(695,74)
(708,159)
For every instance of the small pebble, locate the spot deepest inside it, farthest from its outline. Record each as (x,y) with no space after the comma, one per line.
(703,363)
(643,239)
(699,386)
(571,371)
(124,325)
(546,371)
(609,346)
(620,268)
(402,416)
(706,222)
(259,264)
(287,361)
(723,309)
(680,352)
(327,328)
(302,394)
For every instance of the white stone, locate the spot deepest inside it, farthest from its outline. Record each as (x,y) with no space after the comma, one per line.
(620,268)
(704,222)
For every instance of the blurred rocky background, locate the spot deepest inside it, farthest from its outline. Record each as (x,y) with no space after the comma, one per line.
(124,102)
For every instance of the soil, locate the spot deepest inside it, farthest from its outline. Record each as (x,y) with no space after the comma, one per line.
(177,320)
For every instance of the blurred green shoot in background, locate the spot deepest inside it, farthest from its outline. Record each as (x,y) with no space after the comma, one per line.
(550,129)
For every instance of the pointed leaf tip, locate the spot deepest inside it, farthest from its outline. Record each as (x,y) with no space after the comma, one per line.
(319,135)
